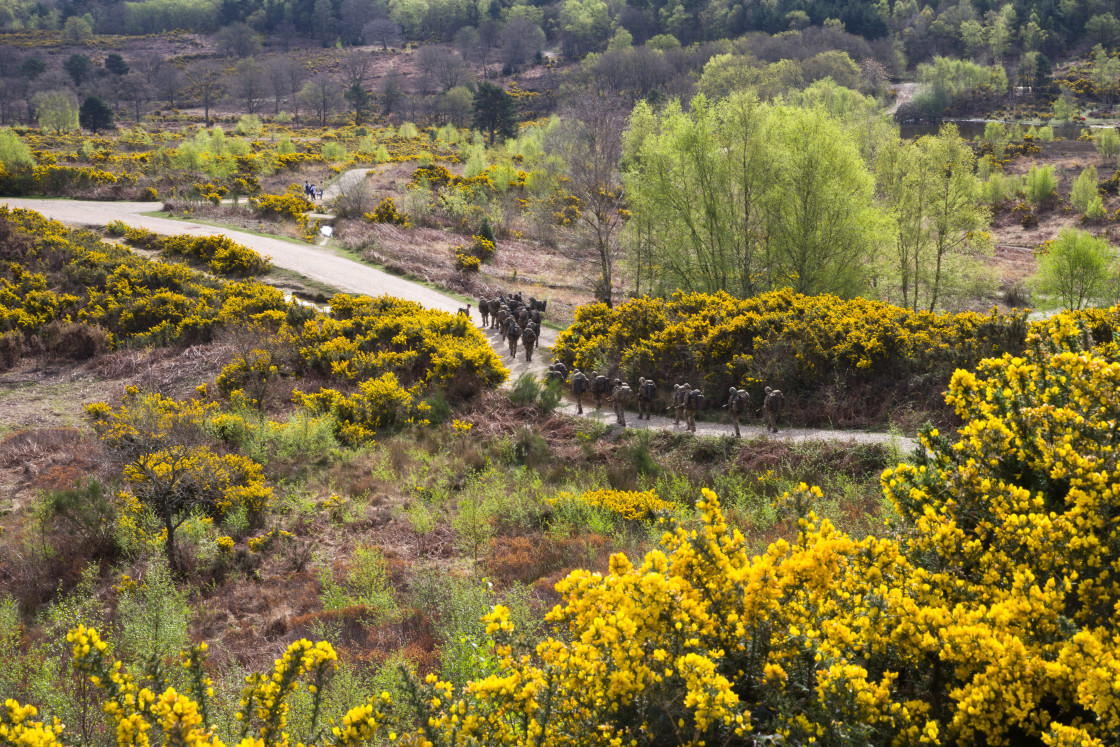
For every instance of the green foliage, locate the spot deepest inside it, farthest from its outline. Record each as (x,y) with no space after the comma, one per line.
(56,110)
(365,583)
(495,111)
(14,153)
(1108,142)
(1075,268)
(154,615)
(249,125)
(333,151)
(95,115)
(1084,189)
(740,160)
(1040,184)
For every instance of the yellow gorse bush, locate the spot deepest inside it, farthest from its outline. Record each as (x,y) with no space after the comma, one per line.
(71,275)
(628,504)
(220,254)
(988,616)
(782,338)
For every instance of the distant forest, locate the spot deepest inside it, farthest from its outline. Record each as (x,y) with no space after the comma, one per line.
(982,31)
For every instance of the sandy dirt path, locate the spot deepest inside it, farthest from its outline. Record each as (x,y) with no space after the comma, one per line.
(323,265)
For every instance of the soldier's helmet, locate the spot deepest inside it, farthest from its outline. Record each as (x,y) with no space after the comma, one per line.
(733,391)
(641,380)
(768,390)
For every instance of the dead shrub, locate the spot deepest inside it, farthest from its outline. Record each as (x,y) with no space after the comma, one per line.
(11,349)
(75,341)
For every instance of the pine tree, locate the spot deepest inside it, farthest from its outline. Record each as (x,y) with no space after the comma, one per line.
(495,112)
(95,114)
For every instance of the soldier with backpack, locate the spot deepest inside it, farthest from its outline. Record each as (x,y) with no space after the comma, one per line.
(620,398)
(495,307)
(513,334)
(694,402)
(680,399)
(600,387)
(772,407)
(647,392)
(528,341)
(484,311)
(738,402)
(580,384)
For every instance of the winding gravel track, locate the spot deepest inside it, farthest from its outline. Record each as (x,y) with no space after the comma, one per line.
(322,265)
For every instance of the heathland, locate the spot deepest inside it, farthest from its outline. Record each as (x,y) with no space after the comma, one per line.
(298,499)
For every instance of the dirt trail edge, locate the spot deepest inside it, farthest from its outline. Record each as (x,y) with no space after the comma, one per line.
(321,265)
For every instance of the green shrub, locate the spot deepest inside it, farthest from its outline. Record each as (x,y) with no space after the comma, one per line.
(15,154)
(154,616)
(1041,184)
(249,125)
(333,151)
(1084,189)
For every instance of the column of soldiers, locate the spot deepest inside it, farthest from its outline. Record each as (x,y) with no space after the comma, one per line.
(685,401)
(516,320)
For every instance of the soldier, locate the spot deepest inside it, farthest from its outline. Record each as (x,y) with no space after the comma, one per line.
(620,397)
(528,340)
(560,368)
(513,334)
(738,402)
(694,402)
(523,316)
(600,385)
(553,375)
(647,392)
(466,312)
(484,311)
(680,399)
(772,407)
(503,315)
(495,306)
(580,384)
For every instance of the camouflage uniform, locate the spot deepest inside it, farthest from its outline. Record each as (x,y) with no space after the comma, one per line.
(694,402)
(772,407)
(738,402)
(580,384)
(513,334)
(528,340)
(620,397)
(647,392)
(680,399)
(495,307)
(600,385)
(484,311)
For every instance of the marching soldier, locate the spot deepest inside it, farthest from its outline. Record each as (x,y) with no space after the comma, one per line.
(528,340)
(620,398)
(495,307)
(580,384)
(694,402)
(680,399)
(738,402)
(484,311)
(600,386)
(647,392)
(513,334)
(772,407)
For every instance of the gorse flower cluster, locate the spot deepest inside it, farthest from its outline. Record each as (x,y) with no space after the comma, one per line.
(54,273)
(632,505)
(800,343)
(219,254)
(988,616)
(51,273)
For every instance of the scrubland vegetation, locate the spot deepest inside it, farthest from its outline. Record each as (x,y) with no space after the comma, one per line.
(231,516)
